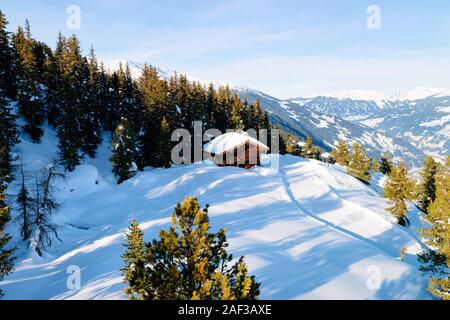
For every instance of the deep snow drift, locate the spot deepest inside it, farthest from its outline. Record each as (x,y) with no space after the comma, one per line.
(307,230)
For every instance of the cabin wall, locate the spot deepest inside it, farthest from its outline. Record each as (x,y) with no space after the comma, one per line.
(245,156)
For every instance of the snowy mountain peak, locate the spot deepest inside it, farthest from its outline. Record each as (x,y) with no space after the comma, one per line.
(425,92)
(354,95)
(379,98)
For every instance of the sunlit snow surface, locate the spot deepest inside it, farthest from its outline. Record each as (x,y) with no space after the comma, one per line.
(307,230)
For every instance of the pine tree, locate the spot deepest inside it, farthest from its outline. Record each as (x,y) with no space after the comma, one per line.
(51,79)
(236,116)
(8,84)
(130,104)
(375,165)
(30,96)
(71,92)
(399,188)
(386,164)
(163,146)
(91,135)
(25,207)
(292,146)
(134,273)
(6,258)
(341,154)
(439,234)
(154,93)
(210,106)
(124,150)
(45,207)
(257,117)
(222,110)
(184,103)
(188,262)
(359,165)
(427,187)
(309,150)
(198,102)
(104,99)
(8,136)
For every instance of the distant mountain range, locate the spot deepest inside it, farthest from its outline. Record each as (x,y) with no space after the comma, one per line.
(408,125)
(327,129)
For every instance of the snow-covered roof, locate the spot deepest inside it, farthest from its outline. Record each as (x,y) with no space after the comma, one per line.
(229,141)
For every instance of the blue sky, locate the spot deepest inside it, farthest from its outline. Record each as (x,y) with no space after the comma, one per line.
(286,48)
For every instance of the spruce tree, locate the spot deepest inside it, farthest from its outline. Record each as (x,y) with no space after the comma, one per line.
(292,146)
(399,188)
(52,80)
(8,63)
(210,106)
(30,96)
(71,92)
(360,165)
(90,124)
(222,109)
(129,97)
(386,164)
(309,150)
(184,103)
(25,207)
(6,258)
(134,273)
(187,262)
(8,136)
(155,137)
(236,116)
(198,102)
(375,165)
(257,116)
(124,150)
(439,234)
(164,145)
(45,206)
(91,134)
(341,154)
(427,186)
(104,99)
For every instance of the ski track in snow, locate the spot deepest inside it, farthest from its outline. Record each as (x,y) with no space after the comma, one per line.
(304,211)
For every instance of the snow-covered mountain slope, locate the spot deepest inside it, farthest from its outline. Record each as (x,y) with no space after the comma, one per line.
(345,108)
(422,93)
(357,104)
(327,130)
(349,115)
(307,230)
(420,117)
(424,123)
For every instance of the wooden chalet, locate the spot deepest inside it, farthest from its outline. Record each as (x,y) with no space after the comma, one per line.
(236,149)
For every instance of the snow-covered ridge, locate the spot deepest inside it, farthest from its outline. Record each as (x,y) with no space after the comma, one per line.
(307,230)
(381,99)
(369,108)
(359,95)
(424,92)
(353,95)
